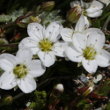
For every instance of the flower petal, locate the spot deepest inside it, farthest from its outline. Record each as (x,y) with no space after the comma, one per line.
(35,68)
(52,31)
(6,65)
(87,22)
(96,38)
(24,56)
(67,34)
(95,14)
(73,54)
(29,43)
(82,24)
(59,48)
(103,60)
(7,61)
(35,30)
(47,58)
(9,57)
(90,65)
(7,81)
(27,84)
(95,6)
(79,41)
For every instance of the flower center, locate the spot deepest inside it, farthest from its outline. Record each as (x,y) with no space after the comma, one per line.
(20,70)
(45,45)
(89,53)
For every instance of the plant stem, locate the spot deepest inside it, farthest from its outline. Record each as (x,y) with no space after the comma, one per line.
(106,23)
(9,45)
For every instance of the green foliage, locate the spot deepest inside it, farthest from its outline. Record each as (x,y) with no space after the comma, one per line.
(48,17)
(104,88)
(107,106)
(84,105)
(39,100)
(11,16)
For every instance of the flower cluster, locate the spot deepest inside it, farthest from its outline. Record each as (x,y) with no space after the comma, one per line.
(91,10)
(81,44)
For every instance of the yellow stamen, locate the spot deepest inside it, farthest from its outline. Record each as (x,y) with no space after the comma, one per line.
(89,53)
(20,70)
(45,45)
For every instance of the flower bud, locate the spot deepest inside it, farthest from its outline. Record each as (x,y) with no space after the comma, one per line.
(3,41)
(59,87)
(48,6)
(97,78)
(35,19)
(7,100)
(74,14)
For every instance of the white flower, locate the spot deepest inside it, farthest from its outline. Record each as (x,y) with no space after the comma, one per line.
(44,42)
(20,70)
(95,9)
(92,10)
(87,48)
(68,33)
